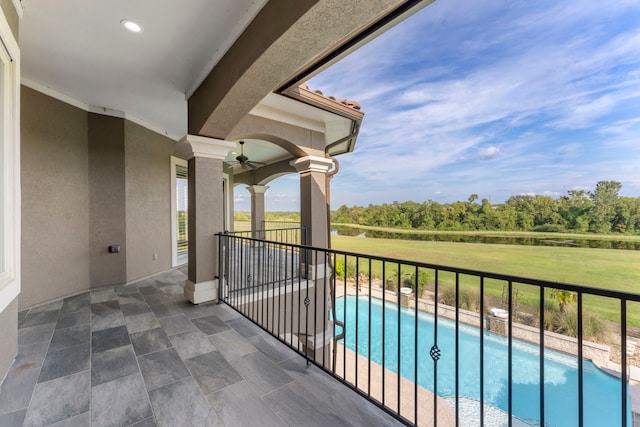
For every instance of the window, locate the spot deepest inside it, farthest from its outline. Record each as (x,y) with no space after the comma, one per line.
(179,211)
(9,165)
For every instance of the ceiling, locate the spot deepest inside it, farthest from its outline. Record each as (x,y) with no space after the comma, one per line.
(286,110)
(257,151)
(78,49)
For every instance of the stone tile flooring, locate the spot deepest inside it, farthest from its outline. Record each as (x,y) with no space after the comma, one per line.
(141,355)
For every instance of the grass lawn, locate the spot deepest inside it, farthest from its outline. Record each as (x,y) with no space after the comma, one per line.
(600,268)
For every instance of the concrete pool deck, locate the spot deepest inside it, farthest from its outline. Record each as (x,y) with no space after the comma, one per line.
(370,379)
(370,382)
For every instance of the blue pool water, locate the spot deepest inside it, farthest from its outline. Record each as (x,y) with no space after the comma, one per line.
(602,392)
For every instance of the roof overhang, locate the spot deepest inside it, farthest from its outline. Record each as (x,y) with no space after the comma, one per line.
(338,122)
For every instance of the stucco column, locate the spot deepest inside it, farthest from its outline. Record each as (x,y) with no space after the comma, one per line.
(313,215)
(206,213)
(257,208)
(313,198)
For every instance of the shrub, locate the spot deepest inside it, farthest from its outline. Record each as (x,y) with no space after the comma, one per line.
(469,299)
(409,281)
(594,328)
(340,268)
(550,308)
(391,284)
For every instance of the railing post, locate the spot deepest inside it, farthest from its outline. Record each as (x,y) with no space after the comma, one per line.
(222,270)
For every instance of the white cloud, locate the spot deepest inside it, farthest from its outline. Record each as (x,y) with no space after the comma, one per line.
(550,91)
(488,153)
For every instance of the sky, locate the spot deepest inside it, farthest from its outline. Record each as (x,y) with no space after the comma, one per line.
(491,98)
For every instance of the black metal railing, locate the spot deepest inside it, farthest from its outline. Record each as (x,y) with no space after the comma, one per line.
(292,234)
(436,345)
(271,224)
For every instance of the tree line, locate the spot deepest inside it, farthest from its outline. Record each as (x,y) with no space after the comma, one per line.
(602,210)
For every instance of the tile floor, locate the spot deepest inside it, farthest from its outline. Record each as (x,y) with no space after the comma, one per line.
(141,355)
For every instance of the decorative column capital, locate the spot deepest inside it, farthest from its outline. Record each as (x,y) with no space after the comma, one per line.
(309,164)
(191,146)
(257,189)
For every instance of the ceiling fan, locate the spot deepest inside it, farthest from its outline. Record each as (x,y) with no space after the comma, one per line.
(244,160)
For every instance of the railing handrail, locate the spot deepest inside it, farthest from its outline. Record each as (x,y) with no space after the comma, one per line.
(279,221)
(235,233)
(628,296)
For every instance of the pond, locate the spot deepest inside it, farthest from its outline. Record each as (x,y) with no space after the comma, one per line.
(502,240)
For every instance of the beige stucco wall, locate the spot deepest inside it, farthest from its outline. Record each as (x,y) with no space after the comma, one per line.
(107,208)
(148,200)
(90,181)
(8,336)
(11,16)
(55,198)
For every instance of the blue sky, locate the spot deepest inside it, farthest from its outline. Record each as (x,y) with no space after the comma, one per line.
(489,97)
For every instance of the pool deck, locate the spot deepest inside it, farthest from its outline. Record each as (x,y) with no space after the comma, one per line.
(368,377)
(634,386)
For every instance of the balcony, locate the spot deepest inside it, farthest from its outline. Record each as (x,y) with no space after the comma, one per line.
(297,344)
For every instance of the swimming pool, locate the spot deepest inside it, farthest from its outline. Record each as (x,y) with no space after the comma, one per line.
(601,399)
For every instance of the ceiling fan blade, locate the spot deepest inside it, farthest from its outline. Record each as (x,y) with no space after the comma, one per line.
(244,160)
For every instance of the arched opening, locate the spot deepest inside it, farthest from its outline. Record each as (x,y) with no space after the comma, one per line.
(281,203)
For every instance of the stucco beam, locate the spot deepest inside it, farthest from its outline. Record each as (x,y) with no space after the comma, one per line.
(265,174)
(291,138)
(284,39)
(228,76)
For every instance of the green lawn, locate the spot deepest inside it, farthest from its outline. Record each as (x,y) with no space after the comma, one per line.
(601,268)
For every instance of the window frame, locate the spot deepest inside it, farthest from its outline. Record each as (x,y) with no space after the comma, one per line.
(175,162)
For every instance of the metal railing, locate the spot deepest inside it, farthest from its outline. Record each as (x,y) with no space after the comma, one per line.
(292,234)
(271,224)
(436,345)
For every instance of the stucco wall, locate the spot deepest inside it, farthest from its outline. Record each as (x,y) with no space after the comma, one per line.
(90,181)
(107,200)
(10,15)
(8,336)
(148,201)
(55,198)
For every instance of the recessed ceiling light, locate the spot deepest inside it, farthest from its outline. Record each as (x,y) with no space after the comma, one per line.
(132,26)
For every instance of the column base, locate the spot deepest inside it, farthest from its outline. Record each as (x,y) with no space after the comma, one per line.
(201,292)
